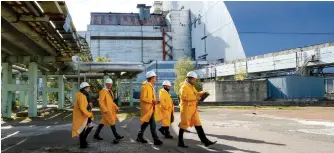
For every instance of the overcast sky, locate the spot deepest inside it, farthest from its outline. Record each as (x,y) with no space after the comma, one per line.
(80,9)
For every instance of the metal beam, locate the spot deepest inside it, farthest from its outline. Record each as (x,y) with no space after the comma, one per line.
(31,18)
(15,41)
(11,17)
(50,7)
(28,59)
(19,87)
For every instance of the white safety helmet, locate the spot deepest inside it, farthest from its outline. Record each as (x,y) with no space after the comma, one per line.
(83,85)
(109,81)
(150,74)
(166,83)
(192,74)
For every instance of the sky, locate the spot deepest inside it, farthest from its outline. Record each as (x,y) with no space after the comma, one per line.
(284,17)
(80,9)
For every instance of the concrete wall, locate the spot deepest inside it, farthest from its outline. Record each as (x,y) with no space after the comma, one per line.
(125,50)
(221,91)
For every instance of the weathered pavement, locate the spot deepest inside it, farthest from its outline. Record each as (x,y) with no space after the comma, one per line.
(236,132)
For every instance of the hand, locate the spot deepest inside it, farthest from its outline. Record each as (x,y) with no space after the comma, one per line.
(91,104)
(198,97)
(154,102)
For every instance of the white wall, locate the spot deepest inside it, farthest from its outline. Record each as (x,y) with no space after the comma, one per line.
(223,40)
(283,60)
(125,50)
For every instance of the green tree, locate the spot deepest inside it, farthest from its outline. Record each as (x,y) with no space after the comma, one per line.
(96,84)
(181,68)
(240,74)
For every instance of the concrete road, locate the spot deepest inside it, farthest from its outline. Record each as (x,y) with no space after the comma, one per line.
(235,131)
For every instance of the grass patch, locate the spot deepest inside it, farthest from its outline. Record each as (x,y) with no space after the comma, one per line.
(251,107)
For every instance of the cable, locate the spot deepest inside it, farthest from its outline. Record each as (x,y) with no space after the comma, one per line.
(201,15)
(288,33)
(217,29)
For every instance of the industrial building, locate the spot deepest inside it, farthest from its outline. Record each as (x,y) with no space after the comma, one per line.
(175,30)
(201,30)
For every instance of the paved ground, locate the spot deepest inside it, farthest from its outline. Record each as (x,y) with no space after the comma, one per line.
(237,131)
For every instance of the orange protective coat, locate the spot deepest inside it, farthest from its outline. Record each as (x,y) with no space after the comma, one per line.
(108,107)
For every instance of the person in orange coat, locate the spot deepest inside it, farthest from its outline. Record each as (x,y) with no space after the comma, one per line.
(189,97)
(167,109)
(108,112)
(82,115)
(147,106)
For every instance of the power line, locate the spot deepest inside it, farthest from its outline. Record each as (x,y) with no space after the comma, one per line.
(287,33)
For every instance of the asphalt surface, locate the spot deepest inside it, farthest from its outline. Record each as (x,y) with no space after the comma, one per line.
(235,131)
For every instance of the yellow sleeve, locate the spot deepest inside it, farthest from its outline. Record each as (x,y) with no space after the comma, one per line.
(186,95)
(83,103)
(162,100)
(145,95)
(102,97)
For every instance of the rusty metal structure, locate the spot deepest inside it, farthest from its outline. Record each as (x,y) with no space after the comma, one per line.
(39,29)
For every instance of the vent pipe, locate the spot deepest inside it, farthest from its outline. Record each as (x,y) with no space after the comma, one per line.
(141,8)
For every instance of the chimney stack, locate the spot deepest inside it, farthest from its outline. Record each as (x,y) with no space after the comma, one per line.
(144,11)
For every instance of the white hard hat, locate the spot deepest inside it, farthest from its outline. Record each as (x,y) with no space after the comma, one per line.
(84,84)
(166,83)
(150,74)
(109,80)
(192,74)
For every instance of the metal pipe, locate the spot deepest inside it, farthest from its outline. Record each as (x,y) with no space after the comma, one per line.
(109,67)
(21,69)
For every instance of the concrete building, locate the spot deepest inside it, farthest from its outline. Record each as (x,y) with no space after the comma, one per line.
(213,32)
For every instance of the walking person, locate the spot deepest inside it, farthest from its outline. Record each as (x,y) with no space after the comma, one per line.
(167,109)
(147,106)
(82,115)
(108,111)
(188,106)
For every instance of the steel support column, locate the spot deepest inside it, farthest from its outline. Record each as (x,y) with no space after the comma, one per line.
(61,98)
(131,92)
(44,93)
(6,96)
(23,95)
(32,94)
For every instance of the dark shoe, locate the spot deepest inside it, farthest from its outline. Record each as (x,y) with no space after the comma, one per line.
(182,145)
(169,137)
(118,137)
(157,142)
(202,136)
(208,143)
(97,137)
(181,142)
(84,146)
(140,138)
(97,132)
(167,133)
(115,141)
(162,130)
